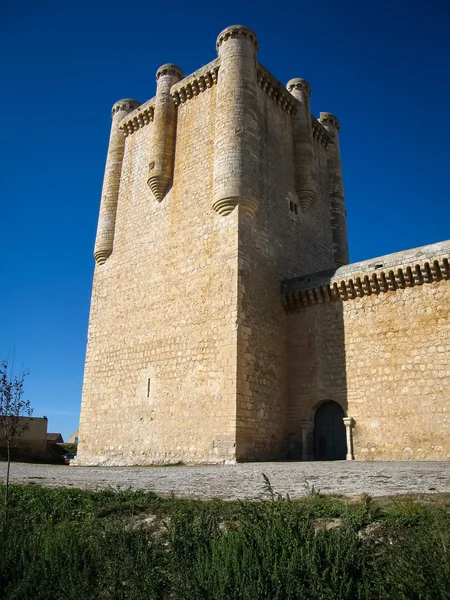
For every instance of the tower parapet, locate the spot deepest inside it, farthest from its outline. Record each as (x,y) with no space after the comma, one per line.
(303,144)
(164,131)
(138,118)
(193,85)
(236,146)
(275,90)
(337,202)
(111,181)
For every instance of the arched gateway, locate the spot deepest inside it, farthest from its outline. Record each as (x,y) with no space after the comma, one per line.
(329,432)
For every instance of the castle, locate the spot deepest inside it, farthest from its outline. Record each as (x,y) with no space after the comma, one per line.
(226,323)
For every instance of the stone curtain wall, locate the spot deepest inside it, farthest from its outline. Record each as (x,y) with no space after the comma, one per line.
(398,372)
(385,357)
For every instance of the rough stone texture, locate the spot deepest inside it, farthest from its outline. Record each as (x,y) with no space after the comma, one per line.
(186,313)
(164,131)
(303,144)
(384,357)
(337,204)
(216,191)
(160,359)
(246,481)
(111,182)
(236,137)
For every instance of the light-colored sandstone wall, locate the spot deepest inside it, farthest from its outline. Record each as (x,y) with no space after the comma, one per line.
(274,245)
(186,356)
(164,309)
(386,359)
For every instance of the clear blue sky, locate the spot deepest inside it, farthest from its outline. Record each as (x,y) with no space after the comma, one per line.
(382,67)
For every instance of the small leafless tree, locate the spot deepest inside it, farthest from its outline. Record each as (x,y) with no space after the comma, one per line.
(12,424)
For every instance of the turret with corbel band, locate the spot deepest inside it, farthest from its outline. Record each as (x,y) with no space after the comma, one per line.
(104,240)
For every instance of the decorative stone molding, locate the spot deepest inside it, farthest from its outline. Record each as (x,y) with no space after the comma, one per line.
(196,83)
(369,278)
(275,90)
(237,31)
(190,87)
(137,119)
(225,206)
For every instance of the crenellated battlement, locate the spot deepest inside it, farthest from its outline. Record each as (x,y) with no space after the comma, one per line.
(126,105)
(199,81)
(389,273)
(169,69)
(142,116)
(275,90)
(200,349)
(320,134)
(238,131)
(237,32)
(330,121)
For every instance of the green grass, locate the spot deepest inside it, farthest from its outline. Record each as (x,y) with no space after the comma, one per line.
(68,448)
(69,544)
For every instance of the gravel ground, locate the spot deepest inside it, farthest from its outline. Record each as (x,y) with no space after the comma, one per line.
(246,480)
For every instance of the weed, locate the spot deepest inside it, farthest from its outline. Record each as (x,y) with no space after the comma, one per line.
(74,544)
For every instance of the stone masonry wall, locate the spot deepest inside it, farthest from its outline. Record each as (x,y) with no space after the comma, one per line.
(186,356)
(160,367)
(276,244)
(386,359)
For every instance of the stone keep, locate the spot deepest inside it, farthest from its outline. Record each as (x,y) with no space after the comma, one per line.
(226,323)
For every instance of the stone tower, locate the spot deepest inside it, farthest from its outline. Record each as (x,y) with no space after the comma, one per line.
(216,191)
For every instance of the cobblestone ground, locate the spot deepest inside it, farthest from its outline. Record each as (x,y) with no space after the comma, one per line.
(246,480)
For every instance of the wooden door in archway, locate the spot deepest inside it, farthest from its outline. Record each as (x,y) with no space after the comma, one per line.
(329,432)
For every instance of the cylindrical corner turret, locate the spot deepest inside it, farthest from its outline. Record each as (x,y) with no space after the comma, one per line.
(330,122)
(337,207)
(236,144)
(164,130)
(111,182)
(303,144)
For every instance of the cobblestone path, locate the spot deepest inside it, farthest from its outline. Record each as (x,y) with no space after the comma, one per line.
(246,480)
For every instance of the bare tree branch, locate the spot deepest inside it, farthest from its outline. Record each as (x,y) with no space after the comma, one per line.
(13,412)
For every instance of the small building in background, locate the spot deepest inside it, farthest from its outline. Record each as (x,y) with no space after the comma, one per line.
(74,438)
(56,438)
(33,437)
